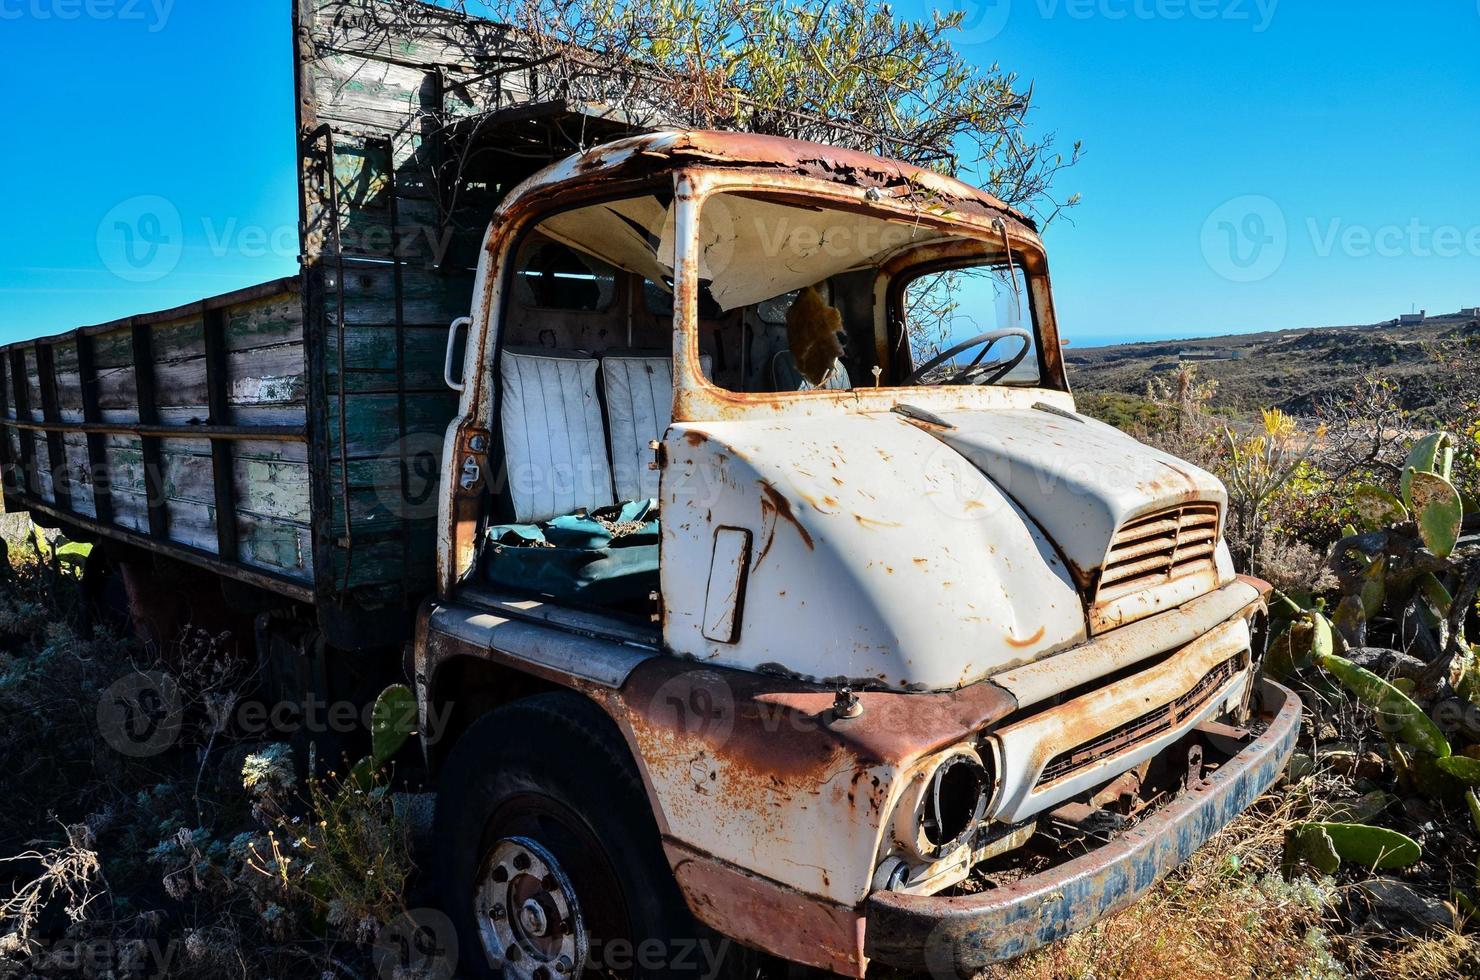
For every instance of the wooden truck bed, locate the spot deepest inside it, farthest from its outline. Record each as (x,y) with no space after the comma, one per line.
(219,432)
(207,433)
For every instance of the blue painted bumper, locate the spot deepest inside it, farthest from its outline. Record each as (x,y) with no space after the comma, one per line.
(952,937)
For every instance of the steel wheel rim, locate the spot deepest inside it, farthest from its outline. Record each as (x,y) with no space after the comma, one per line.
(529,918)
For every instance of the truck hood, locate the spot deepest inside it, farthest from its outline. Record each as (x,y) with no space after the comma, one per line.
(1078,478)
(879,550)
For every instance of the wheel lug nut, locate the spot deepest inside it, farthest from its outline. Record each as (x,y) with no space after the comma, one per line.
(500,874)
(521,862)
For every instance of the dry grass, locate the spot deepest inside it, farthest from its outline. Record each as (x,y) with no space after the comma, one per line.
(1226,913)
(1449,954)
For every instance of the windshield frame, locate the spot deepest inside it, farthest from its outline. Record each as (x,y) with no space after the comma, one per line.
(902,276)
(698,399)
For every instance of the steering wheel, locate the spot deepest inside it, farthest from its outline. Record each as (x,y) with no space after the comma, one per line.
(973,372)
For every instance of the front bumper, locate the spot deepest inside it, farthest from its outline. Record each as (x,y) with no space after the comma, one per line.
(955,936)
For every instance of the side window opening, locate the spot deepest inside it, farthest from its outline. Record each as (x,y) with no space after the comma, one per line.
(552,276)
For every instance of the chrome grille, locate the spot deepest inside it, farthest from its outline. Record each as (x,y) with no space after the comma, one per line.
(1143,729)
(1153,550)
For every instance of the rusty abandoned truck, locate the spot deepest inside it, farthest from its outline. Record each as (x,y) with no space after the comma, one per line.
(720,610)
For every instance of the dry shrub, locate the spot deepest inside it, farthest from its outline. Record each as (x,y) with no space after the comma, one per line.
(1449,954)
(1292,566)
(70,874)
(1226,913)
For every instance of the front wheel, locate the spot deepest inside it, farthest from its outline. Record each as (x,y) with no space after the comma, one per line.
(548,854)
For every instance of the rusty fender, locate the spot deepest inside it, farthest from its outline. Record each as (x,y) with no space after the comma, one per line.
(958,935)
(754,771)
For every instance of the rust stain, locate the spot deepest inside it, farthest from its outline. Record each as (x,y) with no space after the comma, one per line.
(1015,642)
(776,504)
(872,522)
(694,437)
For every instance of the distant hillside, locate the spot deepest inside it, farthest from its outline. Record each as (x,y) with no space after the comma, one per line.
(1291,369)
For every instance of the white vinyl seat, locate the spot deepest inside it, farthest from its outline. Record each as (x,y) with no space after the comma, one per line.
(554,442)
(639,409)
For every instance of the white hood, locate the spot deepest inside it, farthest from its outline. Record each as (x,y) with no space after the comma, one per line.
(877,554)
(1080,479)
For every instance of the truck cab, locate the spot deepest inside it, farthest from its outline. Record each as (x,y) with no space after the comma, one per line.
(782,592)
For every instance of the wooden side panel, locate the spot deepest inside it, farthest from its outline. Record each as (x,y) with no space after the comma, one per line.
(271,481)
(126,487)
(69,381)
(163,426)
(266,363)
(14,469)
(180,371)
(113,357)
(79,473)
(189,490)
(33,384)
(42,479)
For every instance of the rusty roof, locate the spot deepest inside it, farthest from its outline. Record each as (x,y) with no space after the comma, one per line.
(672,149)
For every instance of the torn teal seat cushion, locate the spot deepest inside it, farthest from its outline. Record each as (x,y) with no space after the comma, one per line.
(604,558)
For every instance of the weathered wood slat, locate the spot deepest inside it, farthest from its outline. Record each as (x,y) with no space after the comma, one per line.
(113,360)
(431,297)
(15,471)
(219,409)
(268,322)
(43,482)
(55,448)
(192,430)
(33,384)
(370,359)
(69,380)
(284,549)
(26,443)
(382,562)
(97,442)
(265,376)
(144,386)
(272,489)
(79,474)
(430,36)
(371,430)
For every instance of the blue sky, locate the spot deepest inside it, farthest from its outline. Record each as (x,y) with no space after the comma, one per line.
(1249,164)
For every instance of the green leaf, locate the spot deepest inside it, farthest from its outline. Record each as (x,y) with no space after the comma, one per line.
(1474,804)
(1349,618)
(1435,595)
(1373,847)
(1373,590)
(73,556)
(1428,455)
(1438,510)
(1463,768)
(392,722)
(1395,707)
(1322,643)
(1378,508)
(1312,843)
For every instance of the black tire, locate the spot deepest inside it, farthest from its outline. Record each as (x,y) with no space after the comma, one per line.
(552,768)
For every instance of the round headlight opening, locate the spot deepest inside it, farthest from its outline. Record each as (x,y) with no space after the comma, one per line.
(954,801)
